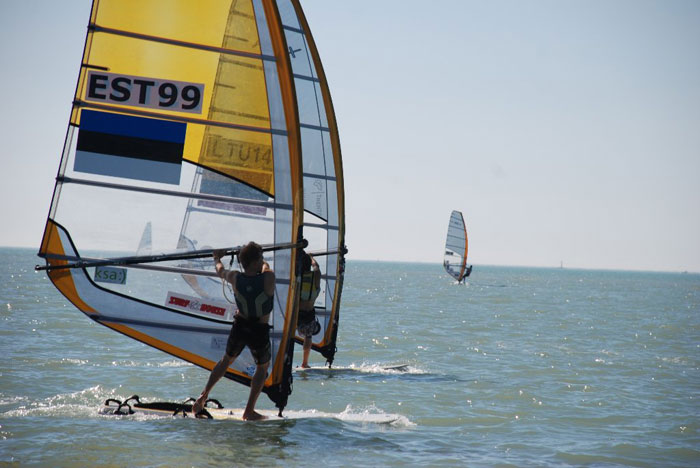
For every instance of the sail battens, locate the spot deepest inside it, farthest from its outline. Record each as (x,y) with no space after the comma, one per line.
(94,67)
(225,330)
(178,118)
(140,266)
(224,212)
(319,176)
(322,226)
(307,78)
(292,29)
(175,42)
(174,193)
(314,127)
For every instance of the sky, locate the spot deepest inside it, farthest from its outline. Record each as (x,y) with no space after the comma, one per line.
(565,131)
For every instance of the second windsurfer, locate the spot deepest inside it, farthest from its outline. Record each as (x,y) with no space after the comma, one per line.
(307,324)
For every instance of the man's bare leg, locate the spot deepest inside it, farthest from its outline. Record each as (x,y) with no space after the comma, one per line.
(307,350)
(216,373)
(256,385)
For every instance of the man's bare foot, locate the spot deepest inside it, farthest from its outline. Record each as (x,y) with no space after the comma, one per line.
(198,405)
(305,366)
(253,416)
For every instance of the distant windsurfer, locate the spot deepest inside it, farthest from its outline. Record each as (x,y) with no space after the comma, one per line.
(307,324)
(253,290)
(467,272)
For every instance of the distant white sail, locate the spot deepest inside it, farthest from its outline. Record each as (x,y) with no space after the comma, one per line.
(146,241)
(456,247)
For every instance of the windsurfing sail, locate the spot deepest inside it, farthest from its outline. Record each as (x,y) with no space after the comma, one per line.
(324,200)
(456,247)
(323,189)
(186,119)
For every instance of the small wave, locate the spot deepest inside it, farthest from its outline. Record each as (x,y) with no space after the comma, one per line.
(383,368)
(132,363)
(372,413)
(79,404)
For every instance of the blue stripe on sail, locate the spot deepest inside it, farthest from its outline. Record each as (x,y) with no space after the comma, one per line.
(129,168)
(128,125)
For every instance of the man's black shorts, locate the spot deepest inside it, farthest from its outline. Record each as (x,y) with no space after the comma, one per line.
(252,334)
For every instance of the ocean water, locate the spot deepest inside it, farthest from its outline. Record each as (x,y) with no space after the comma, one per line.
(520,367)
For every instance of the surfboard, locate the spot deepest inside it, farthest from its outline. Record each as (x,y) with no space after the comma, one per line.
(184,410)
(322,369)
(236,414)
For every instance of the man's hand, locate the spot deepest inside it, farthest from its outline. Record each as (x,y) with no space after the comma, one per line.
(218,253)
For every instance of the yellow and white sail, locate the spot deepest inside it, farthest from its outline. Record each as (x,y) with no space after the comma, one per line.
(200,121)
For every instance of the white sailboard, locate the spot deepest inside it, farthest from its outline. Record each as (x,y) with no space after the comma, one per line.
(133,406)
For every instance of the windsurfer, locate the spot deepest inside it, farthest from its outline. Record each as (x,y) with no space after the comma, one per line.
(253,290)
(307,324)
(467,272)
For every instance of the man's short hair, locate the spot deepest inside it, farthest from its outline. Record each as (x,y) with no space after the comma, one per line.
(250,253)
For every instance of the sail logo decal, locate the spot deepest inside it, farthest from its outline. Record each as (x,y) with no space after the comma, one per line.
(106,274)
(198,305)
(139,91)
(130,147)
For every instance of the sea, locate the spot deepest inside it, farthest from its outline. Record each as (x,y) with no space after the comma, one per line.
(520,367)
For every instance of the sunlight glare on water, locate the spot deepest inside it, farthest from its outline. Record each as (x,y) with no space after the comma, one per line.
(521,366)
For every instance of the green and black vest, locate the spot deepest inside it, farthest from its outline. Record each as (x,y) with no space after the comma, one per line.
(308,290)
(251,299)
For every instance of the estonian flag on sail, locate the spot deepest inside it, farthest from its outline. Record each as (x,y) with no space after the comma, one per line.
(132,147)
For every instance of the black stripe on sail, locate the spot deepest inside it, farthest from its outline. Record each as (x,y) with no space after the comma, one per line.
(130,147)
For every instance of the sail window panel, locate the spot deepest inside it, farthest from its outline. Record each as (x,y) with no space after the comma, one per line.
(288,14)
(283,234)
(329,293)
(263,29)
(315,235)
(315,195)
(283,173)
(313,152)
(166,79)
(229,227)
(157,287)
(101,219)
(231,25)
(307,102)
(280,266)
(332,239)
(321,106)
(276,106)
(328,153)
(298,54)
(332,210)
